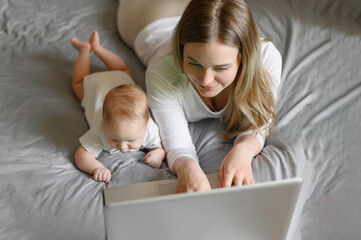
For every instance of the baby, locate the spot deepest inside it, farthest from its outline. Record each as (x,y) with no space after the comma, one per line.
(115,108)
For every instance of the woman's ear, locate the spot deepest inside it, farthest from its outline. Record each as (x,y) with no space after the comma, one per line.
(239,58)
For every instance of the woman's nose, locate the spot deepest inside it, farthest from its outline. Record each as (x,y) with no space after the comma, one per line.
(206,77)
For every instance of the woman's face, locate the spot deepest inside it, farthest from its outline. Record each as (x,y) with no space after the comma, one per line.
(211,67)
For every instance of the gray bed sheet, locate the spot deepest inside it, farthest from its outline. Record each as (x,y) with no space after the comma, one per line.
(44,195)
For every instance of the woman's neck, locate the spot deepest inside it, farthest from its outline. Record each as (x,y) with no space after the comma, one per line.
(216,103)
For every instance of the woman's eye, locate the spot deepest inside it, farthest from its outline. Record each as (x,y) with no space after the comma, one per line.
(221,69)
(194,64)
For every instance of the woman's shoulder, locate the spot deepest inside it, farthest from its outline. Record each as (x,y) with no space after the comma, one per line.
(162,59)
(269,52)
(272,59)
(163,68)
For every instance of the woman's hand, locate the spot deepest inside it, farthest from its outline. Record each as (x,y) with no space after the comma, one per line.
(236,168)
(191,177)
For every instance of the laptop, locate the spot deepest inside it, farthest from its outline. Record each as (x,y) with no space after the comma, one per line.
(151,210)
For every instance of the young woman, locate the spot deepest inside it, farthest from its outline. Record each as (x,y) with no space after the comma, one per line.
(214,66)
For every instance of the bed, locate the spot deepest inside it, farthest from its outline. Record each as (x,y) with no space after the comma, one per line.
(44,195)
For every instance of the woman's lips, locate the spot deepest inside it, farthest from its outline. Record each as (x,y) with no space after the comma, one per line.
(207,88)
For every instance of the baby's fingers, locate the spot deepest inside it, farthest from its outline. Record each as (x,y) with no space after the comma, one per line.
(102,175)
(108,176)
(105,175)
(96,176)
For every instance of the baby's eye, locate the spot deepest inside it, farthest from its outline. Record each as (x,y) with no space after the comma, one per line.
(132,140)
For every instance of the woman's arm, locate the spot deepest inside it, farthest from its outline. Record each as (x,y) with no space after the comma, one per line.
(86,162)
(236,168)
(237,165)
(166,88)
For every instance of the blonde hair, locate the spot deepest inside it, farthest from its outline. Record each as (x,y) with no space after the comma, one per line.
(231,22)
(126,101)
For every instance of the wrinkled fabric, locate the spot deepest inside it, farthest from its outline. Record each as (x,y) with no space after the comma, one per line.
(44,196)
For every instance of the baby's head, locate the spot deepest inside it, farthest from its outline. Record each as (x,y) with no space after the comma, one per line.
(125,117)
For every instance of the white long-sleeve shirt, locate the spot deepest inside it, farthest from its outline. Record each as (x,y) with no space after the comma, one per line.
(174,102)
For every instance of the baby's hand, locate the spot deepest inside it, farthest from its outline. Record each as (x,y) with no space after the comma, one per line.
(155,157)
(102,174)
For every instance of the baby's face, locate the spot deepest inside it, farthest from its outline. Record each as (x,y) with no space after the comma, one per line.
(125,134)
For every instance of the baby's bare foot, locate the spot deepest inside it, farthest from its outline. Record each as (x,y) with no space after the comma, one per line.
(79,45)
(95,42)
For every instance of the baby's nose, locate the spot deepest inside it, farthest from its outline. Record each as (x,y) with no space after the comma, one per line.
(123,148)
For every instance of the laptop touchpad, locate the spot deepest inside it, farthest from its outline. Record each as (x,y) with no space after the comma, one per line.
(166,189)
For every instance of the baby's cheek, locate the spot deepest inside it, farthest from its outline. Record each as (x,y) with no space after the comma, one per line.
(111,144)
(136,145)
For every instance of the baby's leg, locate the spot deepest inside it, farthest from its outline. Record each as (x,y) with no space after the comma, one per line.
(110,59)
(81,66)
(134,15)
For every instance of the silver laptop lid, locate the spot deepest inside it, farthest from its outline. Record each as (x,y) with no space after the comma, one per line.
(259,211)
